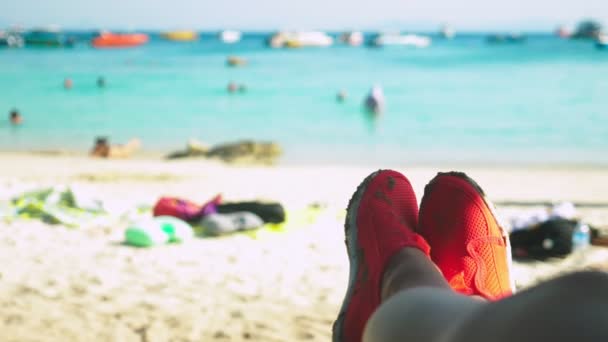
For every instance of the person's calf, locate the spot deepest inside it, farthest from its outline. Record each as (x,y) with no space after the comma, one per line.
(410,268)
(429,314)
(569,308)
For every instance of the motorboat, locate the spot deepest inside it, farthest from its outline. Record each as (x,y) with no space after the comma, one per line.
(447,32)
(397,39)
(512,38)
(180,36)
(353,38)
(563,32)
(50,36)
(313,38)
(587,29)
(230,36)
(11,39)
(119,40)
(299,39)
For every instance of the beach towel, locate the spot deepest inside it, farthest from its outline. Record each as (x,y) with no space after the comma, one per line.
(59,205)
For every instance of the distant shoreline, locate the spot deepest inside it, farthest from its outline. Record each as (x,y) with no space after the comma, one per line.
(150,155)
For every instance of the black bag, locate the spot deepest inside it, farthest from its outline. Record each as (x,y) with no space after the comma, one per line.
(552,238)
(268,212)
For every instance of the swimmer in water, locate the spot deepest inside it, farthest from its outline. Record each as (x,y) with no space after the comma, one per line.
(101,82)
(233,87)
(342,95)
(15,118)
(374,103)
(67,83)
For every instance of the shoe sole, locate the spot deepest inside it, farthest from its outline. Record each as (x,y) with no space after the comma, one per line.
(490,205)
(350,230)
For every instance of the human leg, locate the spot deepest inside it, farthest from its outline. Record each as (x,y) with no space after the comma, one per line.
(379,226)
(569,308)
(452,216)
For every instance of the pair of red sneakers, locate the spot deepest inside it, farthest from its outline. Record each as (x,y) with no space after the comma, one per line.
(456,227)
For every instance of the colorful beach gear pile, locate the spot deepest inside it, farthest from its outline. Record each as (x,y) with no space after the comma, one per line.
(176,220)
(170,220)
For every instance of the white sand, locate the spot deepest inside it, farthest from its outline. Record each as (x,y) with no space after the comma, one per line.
(60,284)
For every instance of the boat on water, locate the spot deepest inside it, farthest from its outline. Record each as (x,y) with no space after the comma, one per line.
(51,37)
(588,29)
(230,36)
(602,41)
(11,39)
(353,38)
(563,32)
(119,40)
(300,39)
(180,36)
(447,32)
(398,39)
(512,38)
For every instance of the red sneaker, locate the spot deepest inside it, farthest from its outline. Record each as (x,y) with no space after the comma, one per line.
(380,220)
(468,244)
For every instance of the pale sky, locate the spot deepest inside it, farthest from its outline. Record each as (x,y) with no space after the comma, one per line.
(535,15)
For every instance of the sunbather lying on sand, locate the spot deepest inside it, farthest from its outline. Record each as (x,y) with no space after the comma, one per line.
(443,274)
(103,149)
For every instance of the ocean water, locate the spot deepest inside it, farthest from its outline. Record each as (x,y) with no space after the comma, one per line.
(543,101)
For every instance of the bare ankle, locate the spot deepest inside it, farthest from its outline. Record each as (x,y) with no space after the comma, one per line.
(410,268)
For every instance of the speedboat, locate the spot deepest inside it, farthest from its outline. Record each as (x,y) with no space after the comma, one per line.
(300,39)
(388,39)
(512,38)
(181,36)
(50,36)
(563,32)
(119,40)
(10,39)
(354,38)
(230,37)
(277,40)
(447,32)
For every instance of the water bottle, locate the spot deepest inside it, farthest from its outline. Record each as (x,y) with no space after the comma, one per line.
(581,238)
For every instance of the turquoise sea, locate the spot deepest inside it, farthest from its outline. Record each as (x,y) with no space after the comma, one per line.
(545,100)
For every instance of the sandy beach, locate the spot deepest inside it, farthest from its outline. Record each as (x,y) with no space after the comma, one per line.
(67,284)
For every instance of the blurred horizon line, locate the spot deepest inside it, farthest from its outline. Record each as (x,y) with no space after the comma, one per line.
(420,26)
(270,30)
